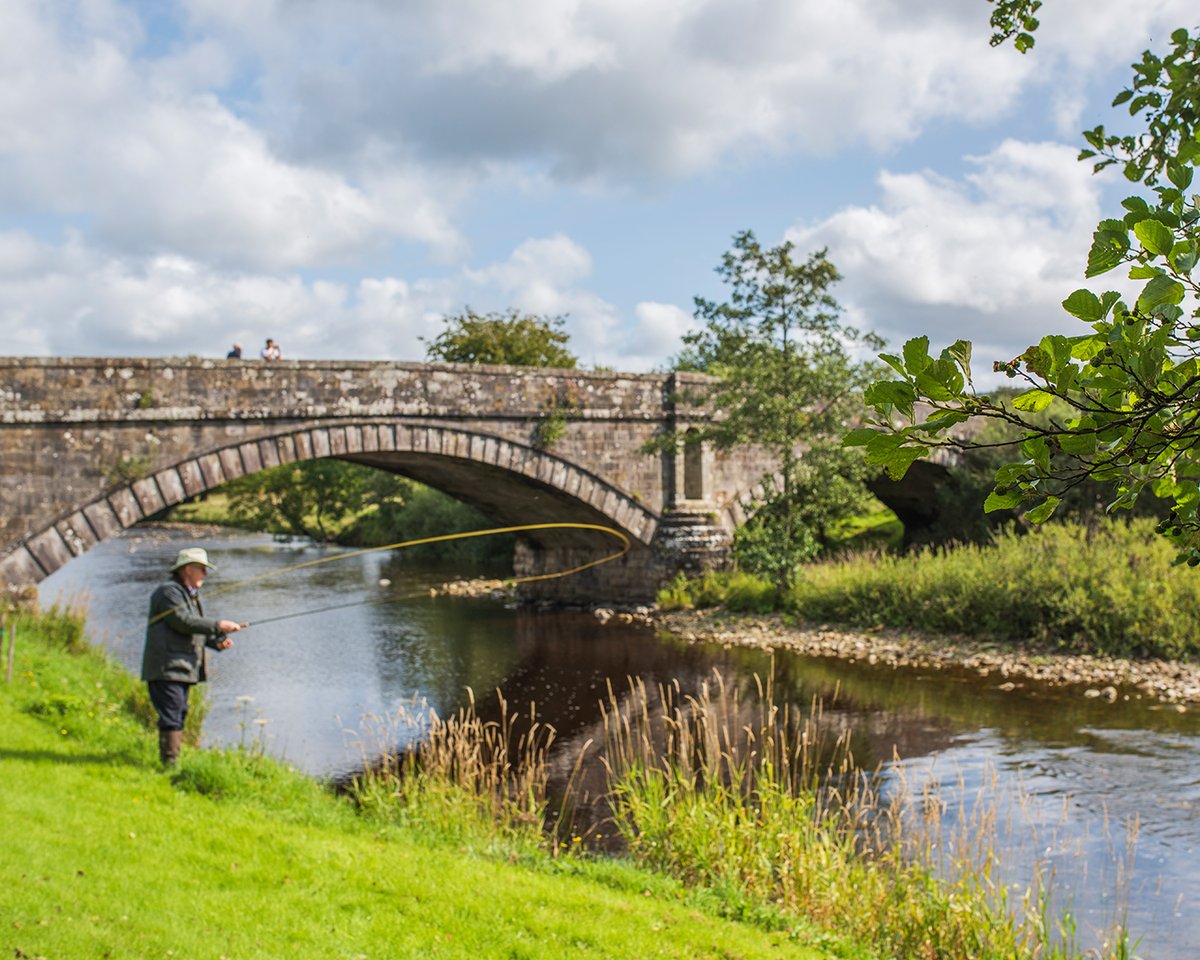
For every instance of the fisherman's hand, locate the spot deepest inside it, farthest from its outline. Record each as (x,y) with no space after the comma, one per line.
(224,643)
(229,626)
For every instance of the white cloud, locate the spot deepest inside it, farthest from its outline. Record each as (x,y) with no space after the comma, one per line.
(73,299)
(152,165)
(178,176)
(989,258)
(598,89)
(657,333)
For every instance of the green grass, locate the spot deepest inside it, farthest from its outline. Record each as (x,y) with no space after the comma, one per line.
(1110,590)
(724,788)
(237,856)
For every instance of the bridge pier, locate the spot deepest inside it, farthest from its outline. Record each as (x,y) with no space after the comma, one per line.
(685,541)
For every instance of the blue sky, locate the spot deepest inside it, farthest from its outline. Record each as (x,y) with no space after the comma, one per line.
(341,175)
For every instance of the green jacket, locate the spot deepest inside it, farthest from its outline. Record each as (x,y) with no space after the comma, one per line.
(176,636)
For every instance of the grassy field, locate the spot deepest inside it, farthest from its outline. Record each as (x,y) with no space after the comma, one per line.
(102,855)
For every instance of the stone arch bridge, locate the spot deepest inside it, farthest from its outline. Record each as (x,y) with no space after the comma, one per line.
(89,447)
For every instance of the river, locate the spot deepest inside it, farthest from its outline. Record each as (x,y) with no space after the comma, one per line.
(1082,769)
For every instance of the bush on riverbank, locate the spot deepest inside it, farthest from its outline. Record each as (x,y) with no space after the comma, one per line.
(1109,590)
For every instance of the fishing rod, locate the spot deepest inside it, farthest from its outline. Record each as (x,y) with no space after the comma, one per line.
(626,545)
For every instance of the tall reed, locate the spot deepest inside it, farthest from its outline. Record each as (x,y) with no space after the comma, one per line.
(724,789)
(727,789)
(461,775)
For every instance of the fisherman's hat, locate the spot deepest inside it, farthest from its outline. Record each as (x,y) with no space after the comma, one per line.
(192,555)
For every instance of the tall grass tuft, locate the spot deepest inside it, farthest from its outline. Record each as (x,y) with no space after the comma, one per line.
(721,789)
(462,777)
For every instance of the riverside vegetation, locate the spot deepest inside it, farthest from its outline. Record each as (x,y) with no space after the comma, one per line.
(1108,588)
(745,833)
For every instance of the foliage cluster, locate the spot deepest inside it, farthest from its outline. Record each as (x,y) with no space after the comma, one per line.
(426,512)
(1129,388)
(786,379)
(1105,589)
(356,505)
(523,340)
(313,498)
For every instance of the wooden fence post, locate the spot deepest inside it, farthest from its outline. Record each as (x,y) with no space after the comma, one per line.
(12,644)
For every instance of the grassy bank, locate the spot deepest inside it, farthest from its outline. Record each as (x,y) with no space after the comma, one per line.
(1111,590)
(236,856)
(747,836)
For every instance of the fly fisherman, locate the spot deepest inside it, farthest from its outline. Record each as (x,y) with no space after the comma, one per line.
(175,657)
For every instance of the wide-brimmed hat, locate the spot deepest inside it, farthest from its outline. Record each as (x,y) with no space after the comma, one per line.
(192,555)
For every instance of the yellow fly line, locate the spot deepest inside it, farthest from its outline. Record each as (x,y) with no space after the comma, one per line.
(626,545)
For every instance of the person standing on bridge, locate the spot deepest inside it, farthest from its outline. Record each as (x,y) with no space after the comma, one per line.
(176,655)
(271,351)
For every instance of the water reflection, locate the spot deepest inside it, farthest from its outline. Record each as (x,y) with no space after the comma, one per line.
(1081,768)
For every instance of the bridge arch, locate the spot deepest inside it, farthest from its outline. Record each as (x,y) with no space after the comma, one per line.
(512,482)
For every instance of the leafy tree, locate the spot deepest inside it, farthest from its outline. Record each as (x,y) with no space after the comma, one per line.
(786,379)
(314,499)
(1015,20)
(1129,387)
(504,338)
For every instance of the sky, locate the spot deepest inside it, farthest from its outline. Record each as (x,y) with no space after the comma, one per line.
(341,175)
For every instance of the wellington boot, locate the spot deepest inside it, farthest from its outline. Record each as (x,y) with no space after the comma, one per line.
(169,743)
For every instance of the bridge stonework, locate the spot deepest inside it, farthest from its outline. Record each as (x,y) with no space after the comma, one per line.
(89,447)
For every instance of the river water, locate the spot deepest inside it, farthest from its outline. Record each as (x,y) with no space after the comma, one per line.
(1067,774)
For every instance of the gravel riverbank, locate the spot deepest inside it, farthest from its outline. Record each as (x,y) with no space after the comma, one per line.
(1172,682)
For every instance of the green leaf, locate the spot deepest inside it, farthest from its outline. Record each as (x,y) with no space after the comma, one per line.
(1164,487)
(916,354)
(891,393)
(1108,250)
(894,362)
(1142,272)
(1001,501)
(960,352)
(888,450)
(1033,401)
(1184,256)
(1037,450)
(1121,97)
(941,421)
(1011,473)
(1078,445)
(1043,511)
(1086,347)
(859,437)
(1154,236)
(1085,305)
(1161,289)
(1179,174)
(901,459)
